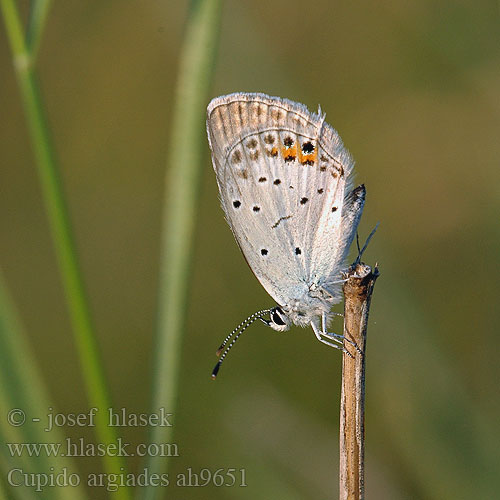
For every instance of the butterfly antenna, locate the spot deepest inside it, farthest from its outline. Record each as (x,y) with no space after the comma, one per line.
(360,252)
(244,324)
(238,331)
(357,244)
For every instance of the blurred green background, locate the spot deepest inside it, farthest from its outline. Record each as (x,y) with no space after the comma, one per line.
(413,89)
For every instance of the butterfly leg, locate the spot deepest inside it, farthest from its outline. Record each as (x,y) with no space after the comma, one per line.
(336,337)
(318,334)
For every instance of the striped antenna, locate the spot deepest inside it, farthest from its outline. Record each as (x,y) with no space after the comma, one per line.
(236,332)
(244,324)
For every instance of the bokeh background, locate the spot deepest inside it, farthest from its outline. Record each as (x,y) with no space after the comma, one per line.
(413,89)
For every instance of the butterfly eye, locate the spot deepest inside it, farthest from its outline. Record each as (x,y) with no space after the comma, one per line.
(276,317)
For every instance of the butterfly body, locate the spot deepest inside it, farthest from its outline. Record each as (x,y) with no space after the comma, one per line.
(284,179)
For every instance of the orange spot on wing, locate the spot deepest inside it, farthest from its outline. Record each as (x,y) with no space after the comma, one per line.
(289,153)
(308,158)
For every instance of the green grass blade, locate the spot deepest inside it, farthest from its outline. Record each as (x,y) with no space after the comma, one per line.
(57,212)
(183,174)
(21,387)
(36,23)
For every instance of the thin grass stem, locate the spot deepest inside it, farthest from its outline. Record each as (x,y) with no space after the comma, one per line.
(38,16)
(22,390)
(57,212)
(179,213)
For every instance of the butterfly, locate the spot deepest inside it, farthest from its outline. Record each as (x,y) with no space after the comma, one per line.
(285,184)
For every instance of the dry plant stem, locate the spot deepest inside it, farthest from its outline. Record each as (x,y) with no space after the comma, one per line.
(357,296)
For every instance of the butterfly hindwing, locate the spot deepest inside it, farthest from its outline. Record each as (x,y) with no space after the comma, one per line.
(282,174)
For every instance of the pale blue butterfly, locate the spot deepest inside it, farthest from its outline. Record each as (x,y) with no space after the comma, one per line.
(284,179)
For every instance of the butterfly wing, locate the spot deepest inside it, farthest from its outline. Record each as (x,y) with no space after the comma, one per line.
(243,132)
(281,172)
(339,215)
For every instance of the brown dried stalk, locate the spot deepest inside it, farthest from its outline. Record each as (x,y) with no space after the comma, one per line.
(358,290)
